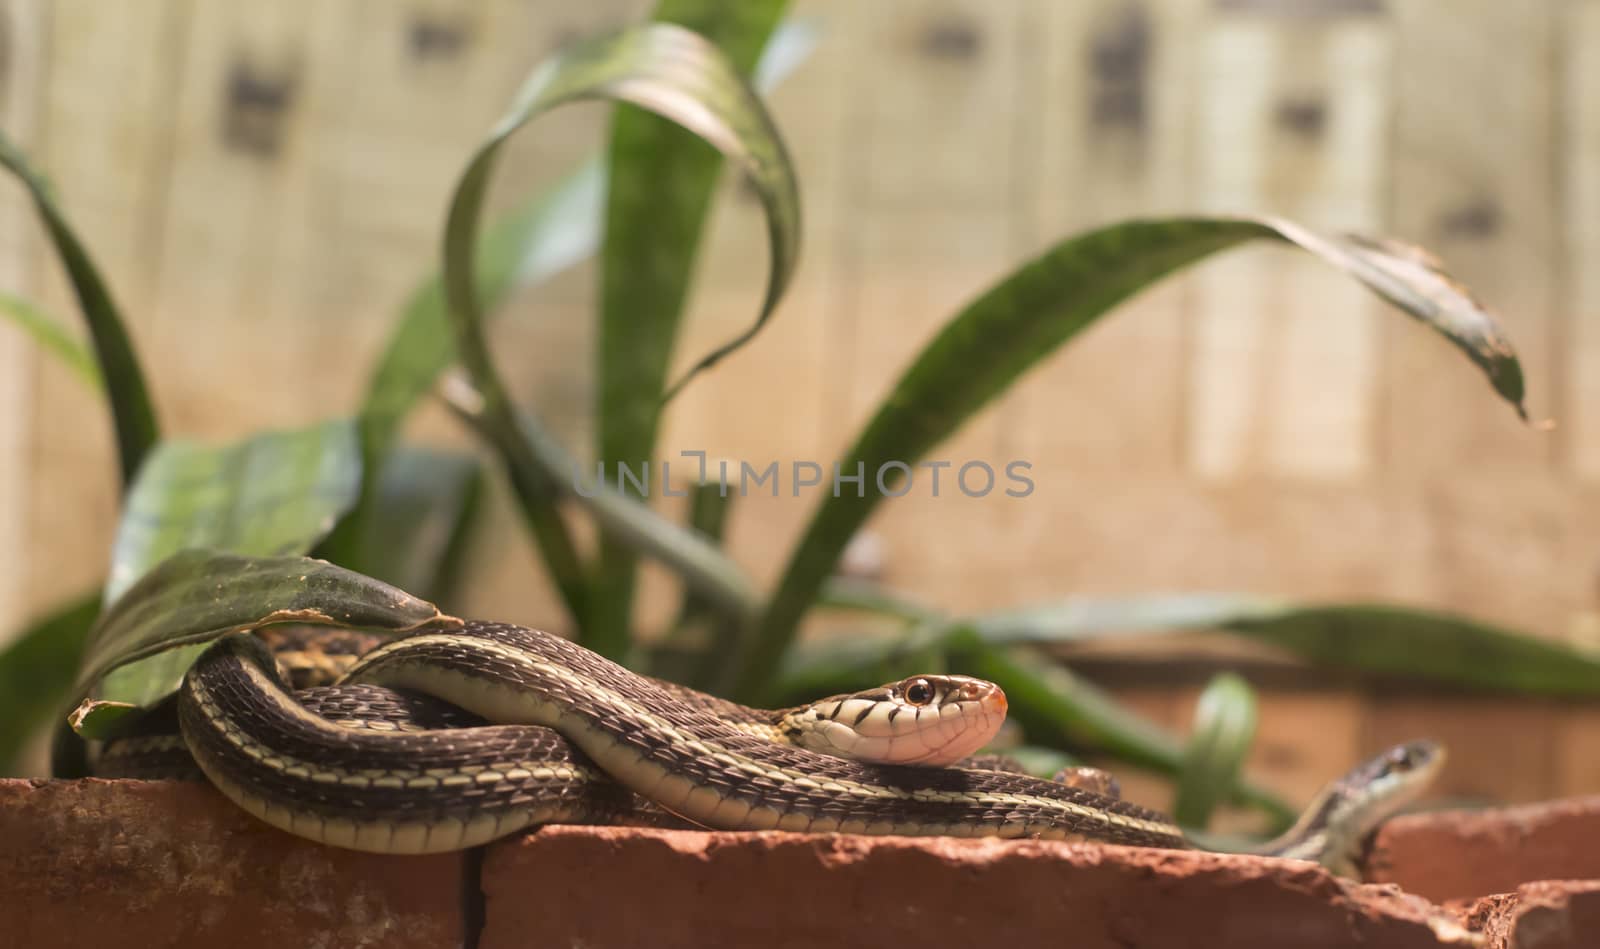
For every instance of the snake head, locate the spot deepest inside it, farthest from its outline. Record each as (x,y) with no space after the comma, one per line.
(933,720)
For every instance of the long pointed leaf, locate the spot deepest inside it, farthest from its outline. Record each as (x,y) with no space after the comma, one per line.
(126,394)
(662,183)
(998,337)
(660,67)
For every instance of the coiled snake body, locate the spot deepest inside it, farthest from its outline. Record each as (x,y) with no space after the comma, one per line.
(579,739)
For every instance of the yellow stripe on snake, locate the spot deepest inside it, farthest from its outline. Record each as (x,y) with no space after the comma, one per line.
(380,762)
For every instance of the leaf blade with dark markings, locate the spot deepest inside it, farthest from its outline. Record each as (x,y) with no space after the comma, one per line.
(997,338)
(665,69)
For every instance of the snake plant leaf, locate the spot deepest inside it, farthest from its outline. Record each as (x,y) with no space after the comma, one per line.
(36,672)
(132,414)
(1026,316)
(539,237)
(1224,727)
(197,595)
(661,191)
(424,509)
(668,70)
(48,332)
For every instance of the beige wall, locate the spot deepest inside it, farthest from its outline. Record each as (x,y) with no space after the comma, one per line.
(264,182)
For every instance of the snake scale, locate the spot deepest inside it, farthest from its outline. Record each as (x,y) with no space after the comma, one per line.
(446,740)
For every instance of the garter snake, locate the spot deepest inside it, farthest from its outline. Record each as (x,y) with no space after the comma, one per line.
(576,738)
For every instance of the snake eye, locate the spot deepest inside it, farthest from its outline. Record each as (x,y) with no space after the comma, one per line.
(919,691)
(1400,759)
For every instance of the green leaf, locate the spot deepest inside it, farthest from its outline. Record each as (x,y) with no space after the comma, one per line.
(1422,644)
(422,513)
(131,412)
(36,672)
(1224,727)
(48,332)
(272,494)
(196,596)
(538,238)
(660,67)
(663,179)
(1028,315)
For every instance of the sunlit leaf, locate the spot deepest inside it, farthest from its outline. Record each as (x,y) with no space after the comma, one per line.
(659,67)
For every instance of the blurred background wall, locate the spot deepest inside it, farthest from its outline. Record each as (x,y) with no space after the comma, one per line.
(264,183)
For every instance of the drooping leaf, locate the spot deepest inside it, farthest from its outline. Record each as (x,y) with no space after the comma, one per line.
(538,238)
(994,340)
(48,332)
(1224,727)
(196,596)
(126,393)
(660,67)
(36,673)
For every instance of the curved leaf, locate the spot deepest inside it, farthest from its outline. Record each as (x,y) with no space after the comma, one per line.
(129,400)
(1003,333)
(36,672)
(197,595)
(538,238)
(663,178)
(1224,727)
(663,68)
(50,334)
